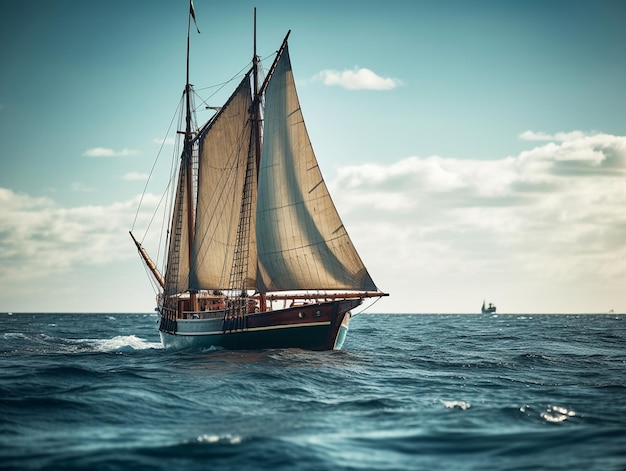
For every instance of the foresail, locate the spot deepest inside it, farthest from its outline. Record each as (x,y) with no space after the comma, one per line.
(302,243)
(177,270)
(224,152)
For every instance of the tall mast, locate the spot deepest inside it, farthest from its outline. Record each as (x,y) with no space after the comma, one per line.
(257,103)
(187,149)
(187,159)
(257,128)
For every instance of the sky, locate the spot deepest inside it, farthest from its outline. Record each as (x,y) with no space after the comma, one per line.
(476,150)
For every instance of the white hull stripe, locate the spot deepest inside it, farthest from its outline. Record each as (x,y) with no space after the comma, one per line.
(254,329)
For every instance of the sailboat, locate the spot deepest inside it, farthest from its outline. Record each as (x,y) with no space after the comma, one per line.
(257,256)
(488,309)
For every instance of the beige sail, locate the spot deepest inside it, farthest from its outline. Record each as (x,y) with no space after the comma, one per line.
(224,153)
(177,270)
(302,243)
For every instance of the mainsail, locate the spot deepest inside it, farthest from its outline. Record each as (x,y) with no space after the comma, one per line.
(226,154)
(302,242)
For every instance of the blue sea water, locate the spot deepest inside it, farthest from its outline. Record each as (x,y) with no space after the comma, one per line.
(418,392)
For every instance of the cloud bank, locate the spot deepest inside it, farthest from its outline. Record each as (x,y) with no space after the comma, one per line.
(356,79)
(52,255)
(38,236)
(542,231)
(548,224)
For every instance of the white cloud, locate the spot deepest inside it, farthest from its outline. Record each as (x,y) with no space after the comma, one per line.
(170,141)
(357,79)
(81,259)
(134,176)
(39,237)
(106,152)
(78,187)
(542,136)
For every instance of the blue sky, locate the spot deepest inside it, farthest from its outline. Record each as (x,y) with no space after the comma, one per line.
(474,149)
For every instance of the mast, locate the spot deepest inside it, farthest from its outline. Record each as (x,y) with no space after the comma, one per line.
(256,103)
(187,158)
(256,111)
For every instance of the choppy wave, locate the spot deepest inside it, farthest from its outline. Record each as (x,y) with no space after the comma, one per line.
(408,392)
(48,344)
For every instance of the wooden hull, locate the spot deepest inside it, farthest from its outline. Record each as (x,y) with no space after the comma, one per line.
(311,326)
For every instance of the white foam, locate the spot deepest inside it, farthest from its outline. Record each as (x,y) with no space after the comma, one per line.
(14,335)
(557,414)
(456,404)
(212,348)
(125,343)
(233,440)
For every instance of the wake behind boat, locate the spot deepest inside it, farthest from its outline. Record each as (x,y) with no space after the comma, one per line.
(257,254)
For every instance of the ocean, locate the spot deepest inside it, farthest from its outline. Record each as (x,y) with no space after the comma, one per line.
(407,392)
